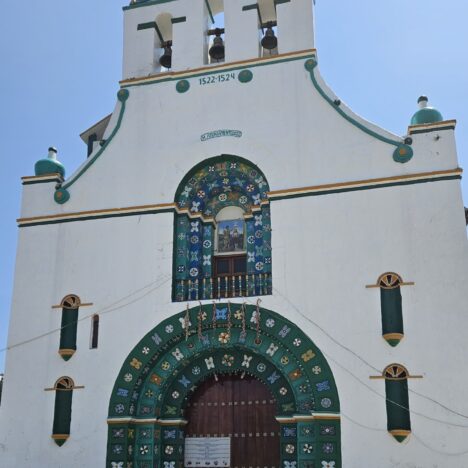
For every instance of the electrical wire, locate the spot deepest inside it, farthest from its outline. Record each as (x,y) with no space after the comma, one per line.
(413,435)
(105,310)
(362,359)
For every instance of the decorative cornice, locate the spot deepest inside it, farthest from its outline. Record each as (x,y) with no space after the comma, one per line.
(274,195)
(42,179)
(432,127)
(364,184)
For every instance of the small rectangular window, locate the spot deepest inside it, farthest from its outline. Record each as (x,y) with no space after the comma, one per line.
(94,331)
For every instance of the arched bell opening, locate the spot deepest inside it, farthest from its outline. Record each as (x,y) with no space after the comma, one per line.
(163,42)
(148,409)
(216,32)
(268,23)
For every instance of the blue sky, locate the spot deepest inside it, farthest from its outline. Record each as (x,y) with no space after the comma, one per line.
(61,62)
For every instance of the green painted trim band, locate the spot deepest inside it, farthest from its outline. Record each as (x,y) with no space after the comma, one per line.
(95,217)
(368,187)
(180,19)
(279,2)
(310,66)
(214,71)
(210,12)
(143,4)
(122,96)
(150,25)
(249,7)
(271,198)
(415,132)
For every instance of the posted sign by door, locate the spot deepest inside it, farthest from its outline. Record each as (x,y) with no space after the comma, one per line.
(207,452)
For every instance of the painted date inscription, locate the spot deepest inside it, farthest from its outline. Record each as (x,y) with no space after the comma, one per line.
(221,78)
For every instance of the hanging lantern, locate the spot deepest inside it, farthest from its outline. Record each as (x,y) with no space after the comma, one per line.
(217,49)
(269,40)
(166,58)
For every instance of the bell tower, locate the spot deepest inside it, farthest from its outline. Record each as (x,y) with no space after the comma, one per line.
(179,35)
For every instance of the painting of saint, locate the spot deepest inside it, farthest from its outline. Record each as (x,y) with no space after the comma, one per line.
(231,236)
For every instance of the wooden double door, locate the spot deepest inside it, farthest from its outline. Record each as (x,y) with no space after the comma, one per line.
(242,409)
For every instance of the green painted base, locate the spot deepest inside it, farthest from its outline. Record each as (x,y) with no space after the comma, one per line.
(393,343)
(66,354)
(400,435)
(393,339)
(60,439)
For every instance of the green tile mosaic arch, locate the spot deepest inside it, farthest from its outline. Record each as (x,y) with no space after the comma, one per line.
(146,410)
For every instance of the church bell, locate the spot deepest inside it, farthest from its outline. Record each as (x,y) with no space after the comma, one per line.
(217,49)
(166,58)
(269,40)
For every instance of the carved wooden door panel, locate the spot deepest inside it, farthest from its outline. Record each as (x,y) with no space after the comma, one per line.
(242,409)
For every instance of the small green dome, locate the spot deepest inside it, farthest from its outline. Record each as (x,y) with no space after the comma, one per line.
(426,114)
(49,165)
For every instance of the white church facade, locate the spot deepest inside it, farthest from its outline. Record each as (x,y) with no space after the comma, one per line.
(243,272)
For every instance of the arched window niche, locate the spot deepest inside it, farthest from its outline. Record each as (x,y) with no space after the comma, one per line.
(68,329)
(397,401)
(70,306)
(63,389)
(222,235)
(391,306)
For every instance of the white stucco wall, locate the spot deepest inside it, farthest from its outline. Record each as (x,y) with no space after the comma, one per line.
(325,249)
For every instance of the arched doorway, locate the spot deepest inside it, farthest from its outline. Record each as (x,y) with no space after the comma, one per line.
(238,407)
(147,411)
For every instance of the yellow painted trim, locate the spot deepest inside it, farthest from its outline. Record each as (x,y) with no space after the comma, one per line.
(52,177)
(172,206)
(66,352)
(400,432)
(305,418)
(79,214)
(356,183)
(164,422)
(327,417)
(404,283)
(444,123)
(393,336)
(60,436)
(215,68)
(84,304)
(382,377)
